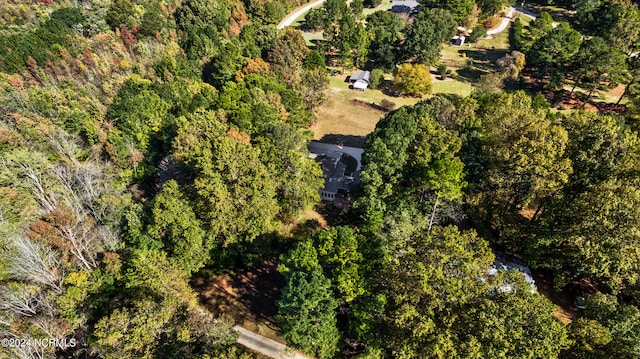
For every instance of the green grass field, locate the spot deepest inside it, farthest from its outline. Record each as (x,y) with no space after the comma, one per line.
(452,87)
(499,41)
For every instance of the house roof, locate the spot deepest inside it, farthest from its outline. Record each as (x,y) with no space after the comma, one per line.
(360,76)
(328,156)
(404,5)
(360,84)
(458,40)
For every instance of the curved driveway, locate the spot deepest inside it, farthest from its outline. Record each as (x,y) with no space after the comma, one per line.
(265,346)
(289,19)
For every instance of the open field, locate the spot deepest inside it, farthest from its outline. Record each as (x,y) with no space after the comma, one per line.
(471,61)
(497,41)
(348,112)
(354,114)
(343,117)
(453,87)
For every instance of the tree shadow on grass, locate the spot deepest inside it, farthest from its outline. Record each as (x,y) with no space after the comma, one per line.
(248,296)
(343,140)
(482,62)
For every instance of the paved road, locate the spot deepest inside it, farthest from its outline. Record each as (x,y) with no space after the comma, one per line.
(266,346)
(531,15)
(289,19)
(505,21)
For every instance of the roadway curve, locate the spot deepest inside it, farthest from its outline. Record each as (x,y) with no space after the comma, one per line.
(503,25)
(265,346)
(289,19)
(505,20)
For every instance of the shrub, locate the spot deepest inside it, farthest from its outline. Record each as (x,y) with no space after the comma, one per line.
(477,33)
(442,71)
(388,105)
(377,77)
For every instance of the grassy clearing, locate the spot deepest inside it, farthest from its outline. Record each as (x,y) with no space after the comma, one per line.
(452,56)
(525,20)
(499,41)
(471,61)
(349,113)
(341,116)
(386,5)
(341,89)
(309,37)
(452,87)
(557,13)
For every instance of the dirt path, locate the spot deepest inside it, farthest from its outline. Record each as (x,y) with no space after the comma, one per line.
(266,346)
(289,19)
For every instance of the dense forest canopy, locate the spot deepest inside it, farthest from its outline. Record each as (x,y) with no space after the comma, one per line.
(145,143)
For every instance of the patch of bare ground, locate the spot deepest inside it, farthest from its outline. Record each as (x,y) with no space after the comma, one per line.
(562,299)
(249,297)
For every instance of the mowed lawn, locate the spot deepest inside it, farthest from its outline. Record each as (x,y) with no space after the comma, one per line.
(348,112)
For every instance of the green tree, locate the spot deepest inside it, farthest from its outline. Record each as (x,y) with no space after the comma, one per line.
(513,323)
(491,7)
(175,224)
(236,193)
(536,30)
(597,62)
(556,49)
(160,304)
(202,23)
(315,19)
(385,31)
(121,12)
(377,78)
(624,33)
(287,55)
(437,307)
(460,9)
(139,112)
(410,161)
(526,151)
(338,253)
(607,329)
(594,235)
(315,60)
(152,21)
(307,308)
(593,204)
(600,148)
(425,35)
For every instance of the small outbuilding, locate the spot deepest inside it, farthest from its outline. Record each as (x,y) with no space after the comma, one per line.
(360,80)
(458,40)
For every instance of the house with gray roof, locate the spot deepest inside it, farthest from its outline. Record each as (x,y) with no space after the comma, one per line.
(359,80)
(405,6)
(340,168)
